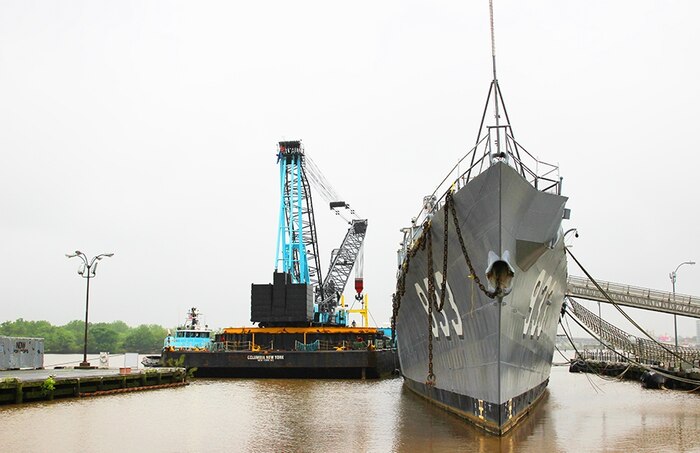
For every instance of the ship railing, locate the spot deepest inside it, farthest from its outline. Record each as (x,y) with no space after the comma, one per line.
(543,176)
(351,344)
(222,346)
(323,345)
(604,355)
(307,347)
(656,358)
(642,350)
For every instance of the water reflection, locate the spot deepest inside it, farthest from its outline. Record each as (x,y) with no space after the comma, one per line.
(333,415)
(422,426)
(342,415)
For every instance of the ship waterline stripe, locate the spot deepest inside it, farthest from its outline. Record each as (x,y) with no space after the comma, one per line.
(494,418)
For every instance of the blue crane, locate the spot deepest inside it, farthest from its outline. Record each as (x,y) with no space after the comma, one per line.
(297,246)
(297,226)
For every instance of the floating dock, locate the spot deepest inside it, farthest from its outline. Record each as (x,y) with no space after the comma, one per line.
(23,386)
(651,373)
(650,377)
(292,352)
(625,356)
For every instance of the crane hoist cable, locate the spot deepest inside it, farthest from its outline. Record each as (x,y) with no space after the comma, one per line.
(321,184)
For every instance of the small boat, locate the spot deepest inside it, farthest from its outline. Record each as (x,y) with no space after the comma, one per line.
(192,336)
(151,361)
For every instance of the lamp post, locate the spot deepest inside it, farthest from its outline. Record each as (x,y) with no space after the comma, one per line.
(672,275)
(87,271)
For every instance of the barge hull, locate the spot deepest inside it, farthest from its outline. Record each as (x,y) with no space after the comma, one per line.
(288,364)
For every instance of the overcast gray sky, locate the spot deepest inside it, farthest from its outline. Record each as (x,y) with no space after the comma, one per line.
(149,129)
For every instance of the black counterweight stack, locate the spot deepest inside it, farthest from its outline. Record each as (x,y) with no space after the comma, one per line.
(282,302)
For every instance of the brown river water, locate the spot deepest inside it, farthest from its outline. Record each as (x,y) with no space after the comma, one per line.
(579,413)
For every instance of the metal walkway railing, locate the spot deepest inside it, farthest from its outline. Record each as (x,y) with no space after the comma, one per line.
(632,296)
(640,349)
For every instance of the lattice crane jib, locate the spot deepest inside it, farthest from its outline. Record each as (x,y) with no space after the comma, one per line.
(297,247)
(342,262)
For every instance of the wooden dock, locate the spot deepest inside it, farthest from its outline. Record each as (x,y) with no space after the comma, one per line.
(23,386)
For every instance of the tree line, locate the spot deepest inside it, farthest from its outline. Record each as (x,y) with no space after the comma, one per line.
(114,337)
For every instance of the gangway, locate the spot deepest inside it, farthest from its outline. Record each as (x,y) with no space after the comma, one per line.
(641,349)
(633,296)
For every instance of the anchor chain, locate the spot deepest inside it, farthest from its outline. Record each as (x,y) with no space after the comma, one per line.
(430,380)
(401,282)
(431,273)
(489,294)
(420,244)
(431,291)
(443,287)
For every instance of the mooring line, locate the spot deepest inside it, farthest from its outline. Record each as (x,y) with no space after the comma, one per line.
(632,361)
(634,323)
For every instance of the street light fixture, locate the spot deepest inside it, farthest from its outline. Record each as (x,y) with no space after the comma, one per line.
(87,271)
(673,275)
(570,230)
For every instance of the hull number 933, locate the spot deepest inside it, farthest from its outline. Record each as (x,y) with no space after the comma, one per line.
(449,319)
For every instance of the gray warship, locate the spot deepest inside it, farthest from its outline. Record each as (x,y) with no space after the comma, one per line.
(481,280)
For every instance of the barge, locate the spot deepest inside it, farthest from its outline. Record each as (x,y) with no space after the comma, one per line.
(292,352)
(302,321)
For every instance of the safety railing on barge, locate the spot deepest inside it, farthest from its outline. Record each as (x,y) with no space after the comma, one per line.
(317,345)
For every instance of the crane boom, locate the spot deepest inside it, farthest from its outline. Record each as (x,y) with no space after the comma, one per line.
(342,262)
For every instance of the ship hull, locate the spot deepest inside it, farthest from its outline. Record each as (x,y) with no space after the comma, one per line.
(491,356)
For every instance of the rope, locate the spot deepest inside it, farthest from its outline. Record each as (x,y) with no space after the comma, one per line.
(80,360)
(595,387)
(568,360)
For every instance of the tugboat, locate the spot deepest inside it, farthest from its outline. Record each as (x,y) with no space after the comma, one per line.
(191,336)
